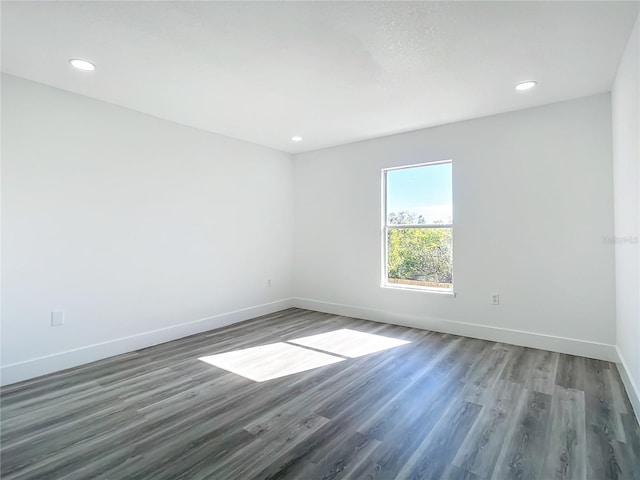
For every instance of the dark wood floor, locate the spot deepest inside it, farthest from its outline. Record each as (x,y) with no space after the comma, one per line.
(440,407)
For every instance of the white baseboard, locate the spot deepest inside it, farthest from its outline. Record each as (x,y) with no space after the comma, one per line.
(35,367)
(570,346)
(633,392)
(52,363)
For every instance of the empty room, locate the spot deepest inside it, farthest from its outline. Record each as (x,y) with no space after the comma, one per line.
(320,240)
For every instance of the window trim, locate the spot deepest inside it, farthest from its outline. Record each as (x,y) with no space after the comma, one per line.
(384,283)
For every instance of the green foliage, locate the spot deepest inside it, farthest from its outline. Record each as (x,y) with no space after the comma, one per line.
(419,253)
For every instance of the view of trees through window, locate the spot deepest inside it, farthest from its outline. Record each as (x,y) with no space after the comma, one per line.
(419,226)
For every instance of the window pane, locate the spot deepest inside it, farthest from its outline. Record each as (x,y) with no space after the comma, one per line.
(420,256)
(420,195)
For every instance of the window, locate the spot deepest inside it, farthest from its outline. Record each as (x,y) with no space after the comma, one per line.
(418,227)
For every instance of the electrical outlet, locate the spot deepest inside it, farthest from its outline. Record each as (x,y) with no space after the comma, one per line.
(57,319)
(495,299)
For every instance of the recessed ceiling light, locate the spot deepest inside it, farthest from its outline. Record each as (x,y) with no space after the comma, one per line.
(82,65)
(296,138)
(526,85)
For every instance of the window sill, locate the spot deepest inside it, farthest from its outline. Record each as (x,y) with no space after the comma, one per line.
(438,291)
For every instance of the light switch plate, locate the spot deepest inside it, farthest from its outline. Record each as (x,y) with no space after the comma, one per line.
(57,319)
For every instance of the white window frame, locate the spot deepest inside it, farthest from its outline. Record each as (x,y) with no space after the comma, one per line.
(385,229)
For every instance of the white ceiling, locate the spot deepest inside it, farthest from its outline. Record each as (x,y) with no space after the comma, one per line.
(332,72)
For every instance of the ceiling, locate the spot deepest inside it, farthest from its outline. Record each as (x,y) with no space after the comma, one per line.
(331,72)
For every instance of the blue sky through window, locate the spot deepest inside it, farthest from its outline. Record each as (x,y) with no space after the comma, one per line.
(424,190)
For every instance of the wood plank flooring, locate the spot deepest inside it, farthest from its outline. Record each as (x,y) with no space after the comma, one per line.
(439,407)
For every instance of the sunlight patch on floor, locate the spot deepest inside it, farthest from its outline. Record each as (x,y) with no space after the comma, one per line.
(349,343)
(271,361)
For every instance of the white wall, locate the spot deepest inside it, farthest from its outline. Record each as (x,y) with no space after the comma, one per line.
(533,205)
(142,230)
(626,155)
(130,225)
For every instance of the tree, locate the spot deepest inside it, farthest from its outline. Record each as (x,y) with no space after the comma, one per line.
(418,253)
(404,218)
